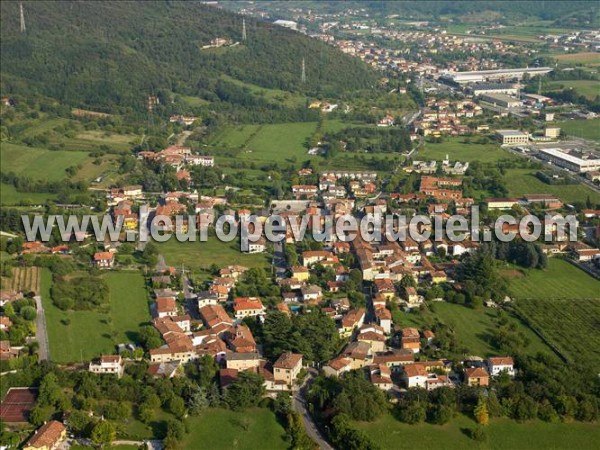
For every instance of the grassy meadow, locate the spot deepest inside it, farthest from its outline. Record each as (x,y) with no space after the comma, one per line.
(87,334)
(587,129)
(503,434)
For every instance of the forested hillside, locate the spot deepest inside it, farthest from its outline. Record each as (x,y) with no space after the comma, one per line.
(108,56)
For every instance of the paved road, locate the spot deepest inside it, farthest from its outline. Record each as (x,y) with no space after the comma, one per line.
(41,330)
(279,260)
(299,405)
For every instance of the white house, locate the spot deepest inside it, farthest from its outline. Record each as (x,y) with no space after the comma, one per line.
(111,364)
(498,364)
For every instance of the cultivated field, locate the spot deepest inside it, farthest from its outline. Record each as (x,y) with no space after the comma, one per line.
(503,434)
(571,325)
(588,58)
(560,280)
(87,334)
(24,279)
(220,429)
(473,328)
(10,197)
(523,181)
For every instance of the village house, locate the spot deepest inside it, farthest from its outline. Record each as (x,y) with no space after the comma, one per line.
(380,376)
(104,260)
(300,273)
(353,319)
(311,293)
(501,364)
(166,306)
(49,436)
(5,323)
(414,375)
(214,315)
(411,340)
(477,376)
(243,361)
(337,366)
(287,367)
(395,360)
(248,307)
(111,364)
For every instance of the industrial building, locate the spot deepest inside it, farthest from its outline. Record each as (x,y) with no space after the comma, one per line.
(512,137)
(502,100)
(492,88)
(479,76)
(569,161)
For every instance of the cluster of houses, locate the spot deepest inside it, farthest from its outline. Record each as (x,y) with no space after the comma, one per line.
(178,156)
(443,117)
(431,167)
(360,184)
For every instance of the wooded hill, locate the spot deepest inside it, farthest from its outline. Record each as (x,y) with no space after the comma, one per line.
(109,56)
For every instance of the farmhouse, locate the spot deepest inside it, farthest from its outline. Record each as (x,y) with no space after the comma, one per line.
(104,260)
(499,364)
(477,376)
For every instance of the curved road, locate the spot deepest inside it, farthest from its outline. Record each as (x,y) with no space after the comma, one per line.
(299,405)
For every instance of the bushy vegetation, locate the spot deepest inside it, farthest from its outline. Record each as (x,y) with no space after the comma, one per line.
(84,292)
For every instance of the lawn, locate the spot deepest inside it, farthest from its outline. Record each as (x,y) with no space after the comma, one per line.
(560,280)
(473,328)
(38,163)
(589,88)
(459,151)
(253,429)
(502,434)
(588,129)
(523,181)
(201,255)
(88,334)
(9,196)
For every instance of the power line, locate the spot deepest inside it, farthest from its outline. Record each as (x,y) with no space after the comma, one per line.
(23,28)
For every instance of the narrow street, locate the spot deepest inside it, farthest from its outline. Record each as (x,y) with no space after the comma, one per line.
(40,330)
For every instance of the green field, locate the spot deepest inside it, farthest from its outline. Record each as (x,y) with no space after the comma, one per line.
(523,181)
(473,328)
(10,197)
(459,151)
(559,280)
(38,163)
(288,99)
(503,434)
(200,255)
(252,429)
(571,325)
(588,88)
(91,333)
(588,129)
(588,58)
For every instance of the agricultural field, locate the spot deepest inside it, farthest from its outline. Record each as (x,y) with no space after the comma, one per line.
(588,58)
(87,334)
(199,256)
(246,430)
(38,163)
(523,181)
(24,279)
(459,151)
(560,280)
(473,328)
(588,88)
(287,99)
(503,434)
(571,325)
(587,129)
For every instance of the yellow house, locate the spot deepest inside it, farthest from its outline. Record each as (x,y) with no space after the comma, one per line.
(48,437)
(287,367)
(300,273)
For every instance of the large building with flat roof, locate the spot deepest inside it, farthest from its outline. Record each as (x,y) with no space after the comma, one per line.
(568,161)
(502,100)
(479,76)
(512,137)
